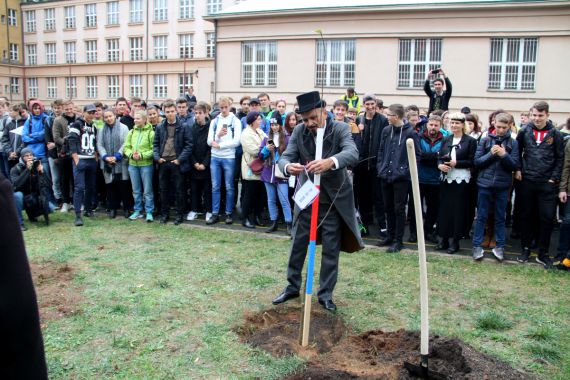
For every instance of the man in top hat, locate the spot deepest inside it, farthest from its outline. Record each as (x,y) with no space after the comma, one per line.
(336,200)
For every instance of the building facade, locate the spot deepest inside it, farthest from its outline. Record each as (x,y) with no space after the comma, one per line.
(498,54)
(11,47)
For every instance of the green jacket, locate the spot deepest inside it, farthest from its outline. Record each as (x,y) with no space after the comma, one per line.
(140,140)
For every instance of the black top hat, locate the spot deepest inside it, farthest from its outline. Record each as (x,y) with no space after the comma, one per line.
(309,101)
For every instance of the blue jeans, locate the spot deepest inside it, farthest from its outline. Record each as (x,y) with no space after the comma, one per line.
(141,179)
(19,200)
(84,176)
(280,190)
(217,166)
(484,201)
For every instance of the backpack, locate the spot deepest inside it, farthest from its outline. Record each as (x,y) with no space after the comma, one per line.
(231,125)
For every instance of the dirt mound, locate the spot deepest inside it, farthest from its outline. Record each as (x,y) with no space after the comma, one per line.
(57,298)
(377,354)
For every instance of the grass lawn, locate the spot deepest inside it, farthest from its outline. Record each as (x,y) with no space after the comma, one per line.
(162,302)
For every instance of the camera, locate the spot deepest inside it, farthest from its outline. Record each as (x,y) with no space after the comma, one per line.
(436,71)
(35,164)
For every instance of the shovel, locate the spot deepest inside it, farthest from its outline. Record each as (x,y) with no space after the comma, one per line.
(420,370)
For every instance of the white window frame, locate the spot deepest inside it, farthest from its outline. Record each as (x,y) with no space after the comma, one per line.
(113,13)
(186,45)
(160,51)
(136,85)
(14,52)
(70,48)
(33,88)
(91,51)
(136,49)
(260,67)
(90,15)
(210,44)
(113,88)
(91,87)
(51,87)
(333,57)
(160,10)
(14,85)
(186,10)
(213,6)
(12,17)
(184,85)
(410,72)
(51,53)
(71,87)
(509,69)
(135,11)
(69,17)
(160,86)
(31,54)
(30,21)
(49,19)
(113,45)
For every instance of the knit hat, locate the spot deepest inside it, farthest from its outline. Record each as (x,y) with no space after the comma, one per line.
(251,117)
(25,151)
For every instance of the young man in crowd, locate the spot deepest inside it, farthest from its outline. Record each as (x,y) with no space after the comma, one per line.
(60,131)
(172,150)
(11,142)
(123,112)
(184,116)
(4,121)
(34,133)
(265,102)
(98,121)
(438,97)
(352,99)
(200,176)
(394,171)
(497,157)
(244,107)
(82,141)
(57,110)
(224,137)
(190,97)
(562,259)
(541,153)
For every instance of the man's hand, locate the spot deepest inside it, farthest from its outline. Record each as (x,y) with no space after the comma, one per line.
(361,126)
(452,163)
(215,145)
(29,164)
(136,156)
(40,168)
(444,168)
(176,162)
(13,155)
(271,147)
(320,166)
(161,161)
(563,196)
(498,150)
(295,169)
(222,132)
(518,175)
(111,160)
(50,145)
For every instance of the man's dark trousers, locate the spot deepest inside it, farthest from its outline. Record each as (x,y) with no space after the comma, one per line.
(395,199)
(543,196)
(84,176)
(167,173)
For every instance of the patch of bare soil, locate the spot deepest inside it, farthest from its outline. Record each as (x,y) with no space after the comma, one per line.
(57,297)
(333,354)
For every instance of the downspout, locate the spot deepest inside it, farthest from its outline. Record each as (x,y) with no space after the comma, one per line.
(24,81)
(146,60)
(215,61)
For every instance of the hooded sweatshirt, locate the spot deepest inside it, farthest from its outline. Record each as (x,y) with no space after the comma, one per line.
(33,135)
(392,153)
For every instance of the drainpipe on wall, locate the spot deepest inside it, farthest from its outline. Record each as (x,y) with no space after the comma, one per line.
(215,61)
(146,60)
(24,81)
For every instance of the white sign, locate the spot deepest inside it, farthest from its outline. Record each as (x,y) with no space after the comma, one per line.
(306,194)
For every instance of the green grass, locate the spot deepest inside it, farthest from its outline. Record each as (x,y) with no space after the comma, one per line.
(163,302)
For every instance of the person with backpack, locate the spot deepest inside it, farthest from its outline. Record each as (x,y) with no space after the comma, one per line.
(34,133)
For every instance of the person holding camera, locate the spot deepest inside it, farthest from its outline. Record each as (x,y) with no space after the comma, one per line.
(438,97)
(31,187)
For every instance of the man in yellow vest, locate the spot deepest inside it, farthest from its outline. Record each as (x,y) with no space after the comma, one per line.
(352,99)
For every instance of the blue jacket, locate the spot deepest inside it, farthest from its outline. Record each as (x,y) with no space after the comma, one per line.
(494,171)
(428,172)
(392,154)
(34,134)
(182,143)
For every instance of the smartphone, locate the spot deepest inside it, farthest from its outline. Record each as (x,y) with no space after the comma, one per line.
(225,126)
(436,71)
(270,142)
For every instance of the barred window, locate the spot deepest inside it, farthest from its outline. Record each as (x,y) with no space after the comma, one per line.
(113,50)
(186,9)
(184,81)
(259,63)
(160,47)
(210,45)
(112,86)
(91,87)
(50,53)
(70,52)
(69,13)
(186,46)
(32,54)
(512,65)
(70,87)
(135,11)
(335,63)
(90,15)
(12,19)
(51,87)
(136,48)
(33,87)
(160,86)
(136,85)
(160,10)
(14,85)
(49,19)
(213,6)
(91,51)
(113,13)
(416,57)
(30,21)
(14,53)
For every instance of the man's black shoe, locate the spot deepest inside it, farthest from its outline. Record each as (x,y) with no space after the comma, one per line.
(259,221)
(112,214)
(88,214)
(247,224)
(545,261)
(329,305)
(413,238)
(272,227)
(215,218)
(229,219)
(385,242)
(523,258)
(179,220)
(453,248)
(284,297)
(443,245)
(396,247)
(164,219)
(78,221)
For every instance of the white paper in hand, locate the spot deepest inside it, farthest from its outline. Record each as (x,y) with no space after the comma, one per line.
(306,194)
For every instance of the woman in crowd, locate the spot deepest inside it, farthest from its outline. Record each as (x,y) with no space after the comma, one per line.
(153,113)
(290,123)
(279,111)
(445,118)
(251,139)
(114,164)
(276,185)
(455,163)
(138,149)
(473,126)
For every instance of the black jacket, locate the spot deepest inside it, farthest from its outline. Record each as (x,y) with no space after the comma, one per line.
(201,151)
(495,171)
(12,142)
(392,155)
(443,98)
(28,181)
(543,162)
(182,143)
(371,139)
(465,152)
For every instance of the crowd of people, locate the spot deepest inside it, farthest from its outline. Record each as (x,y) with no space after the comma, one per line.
(141,160)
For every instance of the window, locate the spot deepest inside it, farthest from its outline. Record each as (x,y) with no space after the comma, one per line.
(136,48)
(112,86)
(12,20)
(14,55)
(30,21)
(513,63)
(14,85)
(417,56)
(160,47)
(50,53)
(49,19)
(186,46)
(69,13)
(259,64)
(113,50)
(32,54)
(90,15)
(135,11)
(51,86)
(70,87)
(70,56)
(160,86)
(113,13)
(210,44)
(213,6)
(32,87)
(91,51)
(186,9)
(160,10)
(135,85)
(335,63)
(184,81)
(91,87)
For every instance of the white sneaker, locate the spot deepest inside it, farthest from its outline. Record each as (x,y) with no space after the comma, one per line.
(192,215)
(208,215)
(65,207)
